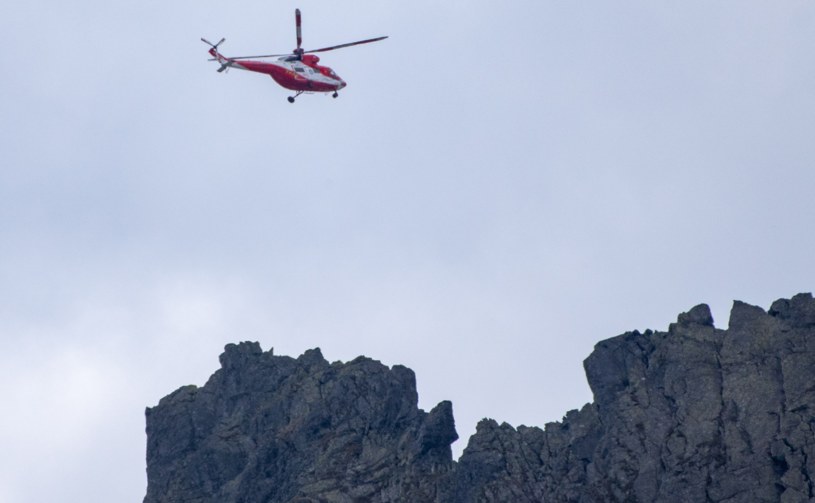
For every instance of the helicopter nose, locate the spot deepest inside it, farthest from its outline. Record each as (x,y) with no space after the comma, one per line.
(342,84)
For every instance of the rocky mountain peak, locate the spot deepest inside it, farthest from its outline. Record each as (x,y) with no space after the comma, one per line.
(692,414)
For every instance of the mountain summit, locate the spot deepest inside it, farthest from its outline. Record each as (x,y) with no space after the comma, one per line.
(692,414)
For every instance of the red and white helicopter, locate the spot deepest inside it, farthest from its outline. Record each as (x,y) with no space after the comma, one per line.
(297,71)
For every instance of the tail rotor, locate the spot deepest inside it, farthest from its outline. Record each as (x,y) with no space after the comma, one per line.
(225,62)
(214,46)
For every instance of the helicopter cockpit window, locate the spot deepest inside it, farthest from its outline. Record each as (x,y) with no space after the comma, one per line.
(299,69)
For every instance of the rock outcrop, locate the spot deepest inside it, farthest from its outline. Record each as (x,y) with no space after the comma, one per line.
(270,428)
(691,414)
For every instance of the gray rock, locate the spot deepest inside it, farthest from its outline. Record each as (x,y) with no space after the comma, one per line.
(691,414)
(274,429)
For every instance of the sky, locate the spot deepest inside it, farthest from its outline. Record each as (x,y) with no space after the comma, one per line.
(500,186)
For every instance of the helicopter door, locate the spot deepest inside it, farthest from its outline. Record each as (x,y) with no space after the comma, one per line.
(300,69)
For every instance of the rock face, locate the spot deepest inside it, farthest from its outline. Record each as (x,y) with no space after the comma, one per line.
(269,428)
(693,414)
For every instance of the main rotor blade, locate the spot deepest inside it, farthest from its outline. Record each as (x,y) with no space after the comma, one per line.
(265,56)
(298,23)
(377,39)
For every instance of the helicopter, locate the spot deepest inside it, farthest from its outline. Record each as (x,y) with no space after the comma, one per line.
(298,71)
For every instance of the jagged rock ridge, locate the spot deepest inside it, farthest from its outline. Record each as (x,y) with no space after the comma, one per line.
(691,414)
(270,428)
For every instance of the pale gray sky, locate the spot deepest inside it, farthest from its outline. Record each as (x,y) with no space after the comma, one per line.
(501,185)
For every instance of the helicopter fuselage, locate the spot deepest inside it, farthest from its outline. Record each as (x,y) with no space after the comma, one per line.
(303,74)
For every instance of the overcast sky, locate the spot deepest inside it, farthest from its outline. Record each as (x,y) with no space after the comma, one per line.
(500,186)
